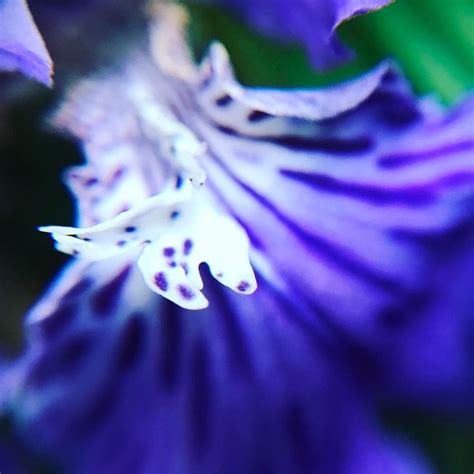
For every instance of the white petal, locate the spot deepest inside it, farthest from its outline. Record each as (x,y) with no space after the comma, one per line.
(224,246)
(169,281)
(180,229)
(141,224)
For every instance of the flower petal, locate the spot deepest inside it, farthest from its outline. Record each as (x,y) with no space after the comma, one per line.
(348,205)
(262,103)
(170,265)
(21,46)
(140,225)
(348,195)
(126,162)
(312,23)
(438,372)
(112,368)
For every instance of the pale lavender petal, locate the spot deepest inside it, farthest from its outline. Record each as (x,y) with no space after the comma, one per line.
(21,46)
(309,104)
(312,23)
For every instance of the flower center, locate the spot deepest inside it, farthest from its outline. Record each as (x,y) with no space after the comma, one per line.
(177,230)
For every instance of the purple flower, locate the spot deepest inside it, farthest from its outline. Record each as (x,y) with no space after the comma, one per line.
(353,206)
(312,22)
(118,383)
(21,46)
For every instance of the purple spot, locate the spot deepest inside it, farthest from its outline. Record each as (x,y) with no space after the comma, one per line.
(223,100)
(118,174)
(130,229)
(172,264)
(185,267)
(146,241)
(219,275)
(76,252)
(205,83)
(179,181)
(168,251)
(243,285)
(185,292)
(174,215)
(161,281)
(91,182)
(86,239)
(258,116)
(121,243)
(187,246)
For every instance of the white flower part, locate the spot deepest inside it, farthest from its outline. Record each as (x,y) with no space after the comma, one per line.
(129,229)
(179,230)
(170,265)
(177,143)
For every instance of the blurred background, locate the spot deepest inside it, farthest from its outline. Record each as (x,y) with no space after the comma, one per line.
(432,40)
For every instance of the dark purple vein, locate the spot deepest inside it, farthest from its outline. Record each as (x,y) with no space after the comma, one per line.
(399,160)
(408,196)
(318,244)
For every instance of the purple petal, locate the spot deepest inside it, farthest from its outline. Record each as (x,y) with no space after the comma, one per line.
(349,198)
(309,104)
(21,46)
(358,214)
(312,23)
(238,388)
(440,368)
(278,170)
(364,215)
(10,459)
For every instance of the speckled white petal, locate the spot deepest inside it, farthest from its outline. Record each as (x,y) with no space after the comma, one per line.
(224,246)
(170,265)
(180,229)
(141,224)
(165,276)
